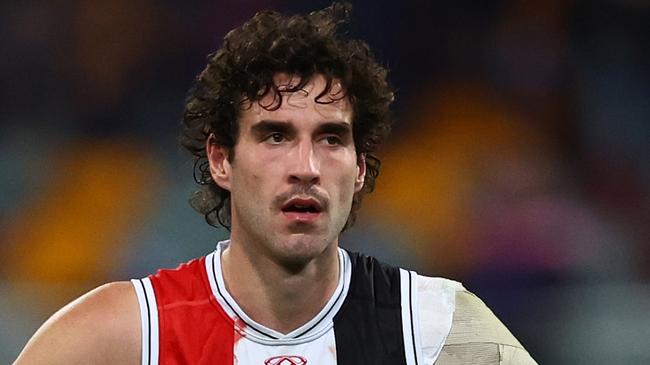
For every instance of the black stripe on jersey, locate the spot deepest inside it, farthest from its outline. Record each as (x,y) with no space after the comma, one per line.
(146,300)
(368,327)
(248,325)
(415,352)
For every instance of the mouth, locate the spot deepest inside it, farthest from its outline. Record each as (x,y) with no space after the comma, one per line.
(305,210)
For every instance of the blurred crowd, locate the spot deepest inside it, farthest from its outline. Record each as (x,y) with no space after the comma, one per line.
(519,162)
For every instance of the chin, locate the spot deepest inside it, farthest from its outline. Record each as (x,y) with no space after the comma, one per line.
(300,249)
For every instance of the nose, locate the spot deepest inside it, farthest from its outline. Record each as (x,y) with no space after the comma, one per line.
(305,167)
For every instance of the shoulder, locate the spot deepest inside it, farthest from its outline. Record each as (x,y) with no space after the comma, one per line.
(475,334)
(102,326)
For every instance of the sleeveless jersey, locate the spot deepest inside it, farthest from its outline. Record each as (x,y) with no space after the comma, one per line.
(378,314)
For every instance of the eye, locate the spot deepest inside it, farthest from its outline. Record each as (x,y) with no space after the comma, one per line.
(333,140)
(275,138)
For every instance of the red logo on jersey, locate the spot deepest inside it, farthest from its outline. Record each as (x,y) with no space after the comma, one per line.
(286,360)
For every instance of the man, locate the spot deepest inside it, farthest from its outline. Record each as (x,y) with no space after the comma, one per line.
(283,122)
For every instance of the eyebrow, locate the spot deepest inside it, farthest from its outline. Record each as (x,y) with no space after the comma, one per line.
(268,126)
(335,127)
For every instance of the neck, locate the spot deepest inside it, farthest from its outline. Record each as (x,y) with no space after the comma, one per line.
(278,295)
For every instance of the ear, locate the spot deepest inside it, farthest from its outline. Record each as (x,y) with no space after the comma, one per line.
(220,168)
(361,173)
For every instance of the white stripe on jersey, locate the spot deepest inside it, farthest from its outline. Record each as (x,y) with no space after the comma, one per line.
(148,320)
(436,304)
(409,312)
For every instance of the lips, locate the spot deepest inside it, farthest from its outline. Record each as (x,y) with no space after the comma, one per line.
(302,209)
(302,205)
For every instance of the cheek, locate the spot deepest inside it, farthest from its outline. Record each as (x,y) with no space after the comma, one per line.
(246,180)
(255,176)
(348,187)
(346,178)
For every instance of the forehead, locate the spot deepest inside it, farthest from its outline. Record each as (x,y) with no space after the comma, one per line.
(305,103)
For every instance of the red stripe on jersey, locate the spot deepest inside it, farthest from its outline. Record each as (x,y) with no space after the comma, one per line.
(193,327)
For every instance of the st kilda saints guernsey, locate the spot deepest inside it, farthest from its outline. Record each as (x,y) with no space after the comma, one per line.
(378,314)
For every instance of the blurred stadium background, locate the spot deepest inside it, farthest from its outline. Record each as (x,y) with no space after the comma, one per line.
(519,163)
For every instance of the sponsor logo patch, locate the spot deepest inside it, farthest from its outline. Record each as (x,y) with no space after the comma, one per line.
(286,360)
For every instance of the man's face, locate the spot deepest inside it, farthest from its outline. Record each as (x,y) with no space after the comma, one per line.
(294,173)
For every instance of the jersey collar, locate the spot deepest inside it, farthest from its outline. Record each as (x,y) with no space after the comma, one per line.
(316,327)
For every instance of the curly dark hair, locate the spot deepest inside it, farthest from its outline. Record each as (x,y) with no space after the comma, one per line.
(242,71)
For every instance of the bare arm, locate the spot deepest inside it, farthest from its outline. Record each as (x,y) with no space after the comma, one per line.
(101,327)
